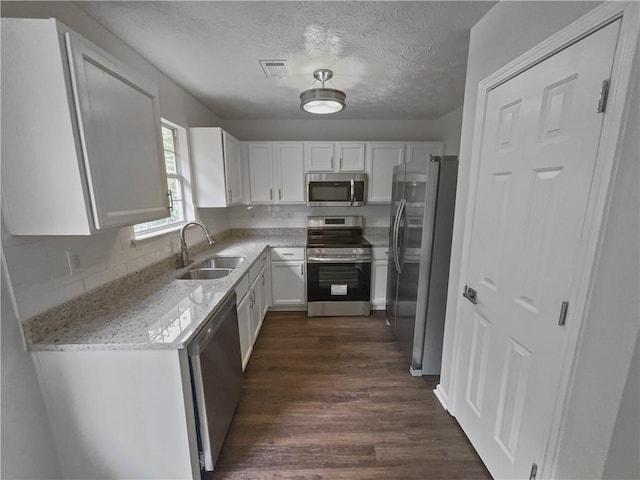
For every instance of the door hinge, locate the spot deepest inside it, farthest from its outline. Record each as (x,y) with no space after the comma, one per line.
(534,472)
(604,93)
(563,314)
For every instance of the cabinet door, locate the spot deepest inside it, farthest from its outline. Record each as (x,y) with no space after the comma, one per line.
(381,158)
(318,157)
(288,283)
(244,327)
(350,157)
(233,169)
(119,122)
(290,173)
(424,150)
(379,283)
(260,175)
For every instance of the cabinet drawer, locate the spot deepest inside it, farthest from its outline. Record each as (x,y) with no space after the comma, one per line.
(287,253)
(242,288)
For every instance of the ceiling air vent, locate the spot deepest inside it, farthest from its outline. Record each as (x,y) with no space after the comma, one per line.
(274,68)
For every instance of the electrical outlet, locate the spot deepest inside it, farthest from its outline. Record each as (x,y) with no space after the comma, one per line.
(74,262)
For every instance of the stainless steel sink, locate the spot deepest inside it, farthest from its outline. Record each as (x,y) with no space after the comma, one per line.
(205,273)
(220,262)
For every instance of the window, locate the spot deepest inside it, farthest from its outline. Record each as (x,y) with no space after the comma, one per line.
(176,183)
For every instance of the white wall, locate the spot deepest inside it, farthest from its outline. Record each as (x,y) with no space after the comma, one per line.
(623,459)
(611,327)
(333,129)
(449,129)
(38,268)
(295,216)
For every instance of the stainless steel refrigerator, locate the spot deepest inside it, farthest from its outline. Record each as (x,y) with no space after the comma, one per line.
(423,200)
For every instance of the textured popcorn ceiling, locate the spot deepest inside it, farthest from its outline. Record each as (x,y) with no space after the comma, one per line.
(394,60)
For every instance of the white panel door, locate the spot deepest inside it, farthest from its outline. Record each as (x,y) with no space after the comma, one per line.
(289,187)
(233,170)
(260,172)
(119,123)
(539,145)
(381,158)
(350,157)
(318,157)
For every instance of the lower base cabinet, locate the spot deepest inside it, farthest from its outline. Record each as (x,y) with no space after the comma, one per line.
(253,304)
(120,413)
(288,277)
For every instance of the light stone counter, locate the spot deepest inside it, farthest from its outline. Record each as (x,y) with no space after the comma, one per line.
(148,310)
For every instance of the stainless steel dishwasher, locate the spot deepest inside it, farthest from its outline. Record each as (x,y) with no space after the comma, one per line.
(216,374)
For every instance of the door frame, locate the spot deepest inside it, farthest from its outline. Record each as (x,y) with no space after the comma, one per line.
(607,159)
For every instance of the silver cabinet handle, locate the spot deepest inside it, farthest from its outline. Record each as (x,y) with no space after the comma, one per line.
(279,194)
(230,195)
(271,193)
(262,280)
(340,163)
(302,269)
(170,195)
(286,254)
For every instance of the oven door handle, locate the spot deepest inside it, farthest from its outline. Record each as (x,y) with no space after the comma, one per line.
(359,259)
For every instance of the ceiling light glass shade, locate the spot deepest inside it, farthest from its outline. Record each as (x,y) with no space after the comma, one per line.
(323,100)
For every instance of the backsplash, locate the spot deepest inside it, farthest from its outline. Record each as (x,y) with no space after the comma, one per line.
(40,273)
(295,216)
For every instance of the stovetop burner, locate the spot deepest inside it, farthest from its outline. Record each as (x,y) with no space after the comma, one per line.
(335,232)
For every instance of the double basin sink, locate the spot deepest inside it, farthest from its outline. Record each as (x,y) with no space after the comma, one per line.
(212,268)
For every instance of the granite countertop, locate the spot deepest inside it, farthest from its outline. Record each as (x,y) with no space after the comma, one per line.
(148,311)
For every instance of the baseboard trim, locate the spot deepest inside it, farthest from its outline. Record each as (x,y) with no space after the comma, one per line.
(414,372)
(291,308)
(441,395)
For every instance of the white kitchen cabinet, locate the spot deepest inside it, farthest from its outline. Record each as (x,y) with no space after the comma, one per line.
(350,157)
(334,157)
(424,150)
(318,156)
(379,270)
(81,136)
(217,170)
(276,172)
(288,280)
(260,157)
(381,158)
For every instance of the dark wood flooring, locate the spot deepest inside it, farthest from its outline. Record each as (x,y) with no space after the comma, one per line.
(332,398)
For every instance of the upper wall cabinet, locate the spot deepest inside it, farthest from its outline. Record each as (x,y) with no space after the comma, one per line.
(334,157)
(81,137)
(381,158)
(216,166)
(276,172)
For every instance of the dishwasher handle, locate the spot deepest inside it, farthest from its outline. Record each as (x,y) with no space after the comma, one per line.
(211,325)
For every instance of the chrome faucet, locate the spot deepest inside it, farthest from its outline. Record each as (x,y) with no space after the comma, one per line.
(184,254)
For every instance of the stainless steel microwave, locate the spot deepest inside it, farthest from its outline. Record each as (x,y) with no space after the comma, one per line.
(336,189)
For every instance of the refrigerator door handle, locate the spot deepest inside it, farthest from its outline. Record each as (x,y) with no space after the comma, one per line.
(395,234)
(405,221)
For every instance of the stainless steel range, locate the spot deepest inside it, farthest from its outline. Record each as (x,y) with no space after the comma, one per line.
(338,267)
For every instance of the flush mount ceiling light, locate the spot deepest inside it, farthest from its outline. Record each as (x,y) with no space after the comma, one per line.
(323,100)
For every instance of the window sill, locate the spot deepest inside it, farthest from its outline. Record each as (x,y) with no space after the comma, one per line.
(144,237)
